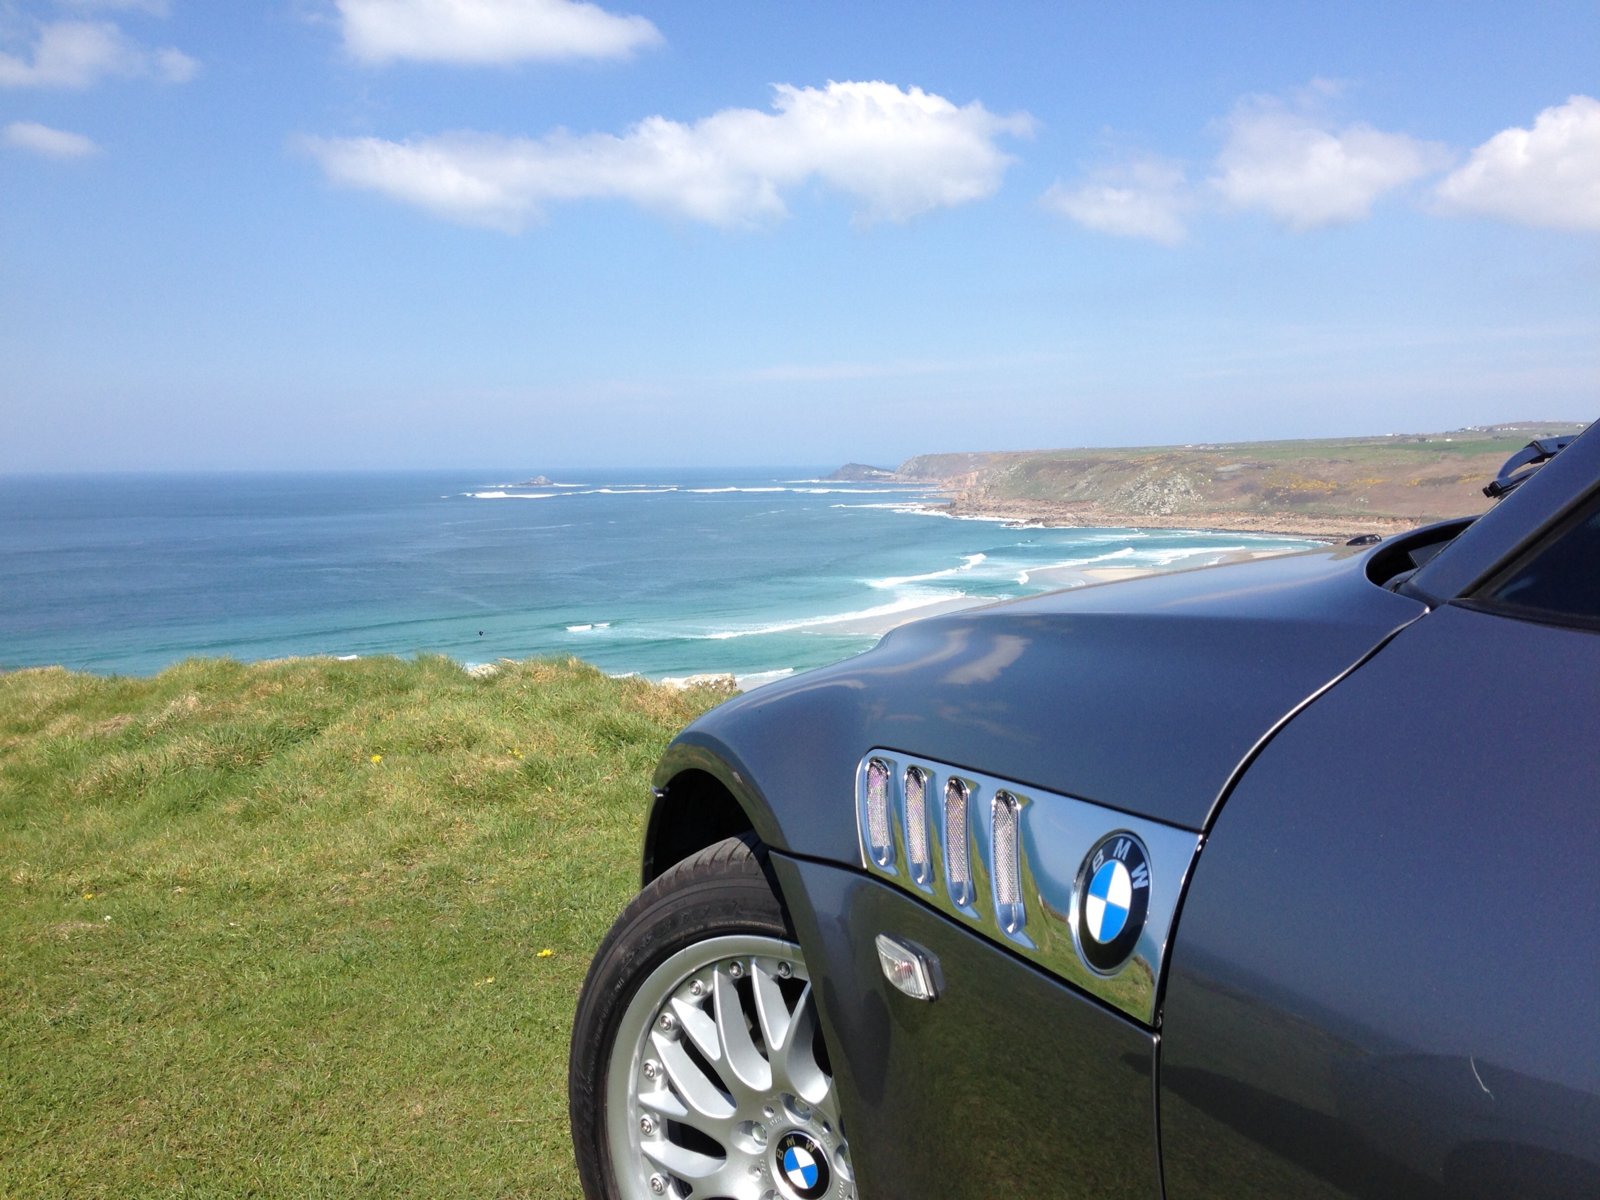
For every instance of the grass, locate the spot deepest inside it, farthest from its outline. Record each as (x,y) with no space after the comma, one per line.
(1397,478)
(307,928)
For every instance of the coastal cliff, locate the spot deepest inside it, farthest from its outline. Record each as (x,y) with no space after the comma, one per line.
(1333,488)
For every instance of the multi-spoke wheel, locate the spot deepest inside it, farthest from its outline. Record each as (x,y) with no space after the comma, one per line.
(698,1068)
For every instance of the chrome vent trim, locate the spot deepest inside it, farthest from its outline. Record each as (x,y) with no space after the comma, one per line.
(1006,861)
(919,866)
(957,835)
(1005,812)
(880,843)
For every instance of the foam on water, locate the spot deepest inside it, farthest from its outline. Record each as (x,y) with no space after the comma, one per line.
(923,510)
(799,491)
(895,581)
(1167,558)
(904,604)
(899,506)
(1071,564)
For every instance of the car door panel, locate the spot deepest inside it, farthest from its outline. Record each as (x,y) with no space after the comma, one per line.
(1386,972)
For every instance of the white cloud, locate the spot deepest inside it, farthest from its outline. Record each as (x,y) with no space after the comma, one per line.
(1145,198)
(78,54)
(173,66)
(1305,173)
(896,153)
(489,31)
(1548,175)
(51,143)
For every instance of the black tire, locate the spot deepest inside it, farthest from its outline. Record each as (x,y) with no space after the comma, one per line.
(712,923)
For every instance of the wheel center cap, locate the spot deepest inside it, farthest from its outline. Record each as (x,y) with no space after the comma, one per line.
(802,1165)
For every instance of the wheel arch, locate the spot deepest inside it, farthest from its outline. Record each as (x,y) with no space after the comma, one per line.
(699,801)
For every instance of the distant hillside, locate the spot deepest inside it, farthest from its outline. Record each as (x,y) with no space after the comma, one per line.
(1325,487)
(862,473)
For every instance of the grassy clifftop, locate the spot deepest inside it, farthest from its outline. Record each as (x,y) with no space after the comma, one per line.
(307,928)
(1331,486)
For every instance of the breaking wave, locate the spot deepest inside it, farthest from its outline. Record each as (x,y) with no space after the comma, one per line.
(905,604)
(968,562)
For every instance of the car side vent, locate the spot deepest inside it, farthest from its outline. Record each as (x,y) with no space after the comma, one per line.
(880,842)
(957,869)
(1022,867)
(1007,863)
(917,825)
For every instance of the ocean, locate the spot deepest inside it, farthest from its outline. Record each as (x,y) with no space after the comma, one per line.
(669,573)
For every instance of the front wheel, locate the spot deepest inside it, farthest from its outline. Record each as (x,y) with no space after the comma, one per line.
(698,1067)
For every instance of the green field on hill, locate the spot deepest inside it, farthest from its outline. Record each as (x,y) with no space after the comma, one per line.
(308,928)
(1331,483)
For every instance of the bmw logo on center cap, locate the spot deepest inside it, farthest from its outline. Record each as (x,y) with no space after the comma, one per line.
(802,1165)
(1113,898)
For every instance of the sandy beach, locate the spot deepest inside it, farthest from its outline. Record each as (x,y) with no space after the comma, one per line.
(1048,514)
(1071,577)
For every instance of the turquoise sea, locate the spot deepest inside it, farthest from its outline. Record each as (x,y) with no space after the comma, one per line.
(754,572)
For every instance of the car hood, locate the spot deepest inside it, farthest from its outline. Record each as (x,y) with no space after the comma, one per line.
(1143,695)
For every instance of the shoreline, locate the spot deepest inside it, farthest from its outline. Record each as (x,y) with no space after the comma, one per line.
(1049,514)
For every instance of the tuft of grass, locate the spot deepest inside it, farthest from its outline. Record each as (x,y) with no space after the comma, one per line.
(308,927)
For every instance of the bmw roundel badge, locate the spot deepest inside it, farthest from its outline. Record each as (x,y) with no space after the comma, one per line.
(802,1164)
(1113,898)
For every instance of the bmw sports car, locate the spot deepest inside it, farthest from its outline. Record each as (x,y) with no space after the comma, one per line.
(1266,880)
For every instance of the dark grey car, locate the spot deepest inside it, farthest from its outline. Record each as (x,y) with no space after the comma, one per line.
(1276,879)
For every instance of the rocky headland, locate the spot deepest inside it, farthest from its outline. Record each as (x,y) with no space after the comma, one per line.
(1333,488)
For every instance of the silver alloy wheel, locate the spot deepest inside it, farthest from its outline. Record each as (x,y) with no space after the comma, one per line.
(714,1078)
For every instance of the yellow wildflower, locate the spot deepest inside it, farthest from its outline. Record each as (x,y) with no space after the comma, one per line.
(546,952)
(377,758)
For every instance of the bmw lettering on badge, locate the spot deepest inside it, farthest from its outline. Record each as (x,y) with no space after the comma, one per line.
(1113,901)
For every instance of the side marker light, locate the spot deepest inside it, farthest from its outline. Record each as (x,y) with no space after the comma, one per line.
(908,969)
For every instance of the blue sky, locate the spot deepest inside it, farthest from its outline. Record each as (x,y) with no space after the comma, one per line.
(412,233)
